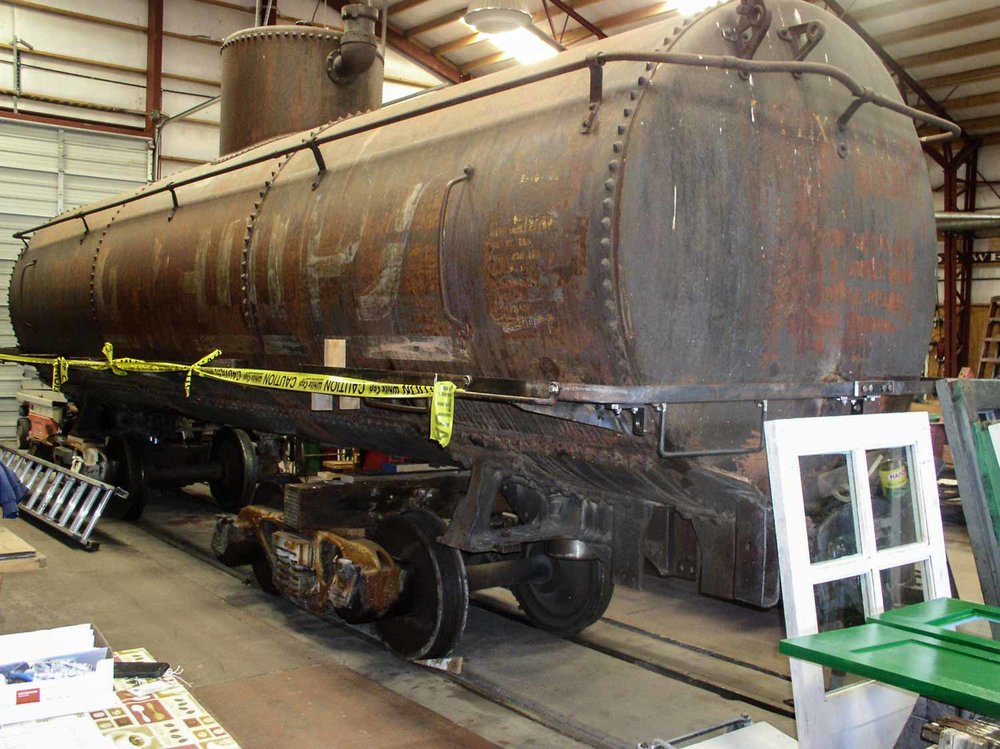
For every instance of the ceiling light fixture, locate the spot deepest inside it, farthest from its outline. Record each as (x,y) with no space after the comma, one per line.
(523,45)
(497,16)
(508,25)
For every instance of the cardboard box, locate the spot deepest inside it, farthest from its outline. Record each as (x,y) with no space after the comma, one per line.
(33,700)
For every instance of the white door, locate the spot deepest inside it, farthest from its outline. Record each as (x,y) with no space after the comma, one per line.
(45,170)
(858,528)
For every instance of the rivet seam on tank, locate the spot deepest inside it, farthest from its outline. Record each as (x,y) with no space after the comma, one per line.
(611,301)
(247,306)
(97,251)
(323,35)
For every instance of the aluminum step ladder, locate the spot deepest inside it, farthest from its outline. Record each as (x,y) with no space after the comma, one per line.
(989,362)
(68,502)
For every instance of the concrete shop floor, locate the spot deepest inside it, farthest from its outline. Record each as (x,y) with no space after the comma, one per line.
(274,675)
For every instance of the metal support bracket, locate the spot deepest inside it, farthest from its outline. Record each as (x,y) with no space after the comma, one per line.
(173,198)
(661,447)
(469,528)
(863,98)
(753,19)
(803,37)
(320,162)
(872,389)
(86,226)
(595,63)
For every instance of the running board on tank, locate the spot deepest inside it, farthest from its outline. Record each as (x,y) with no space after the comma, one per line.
(547,393)
(630,409)
(67,502)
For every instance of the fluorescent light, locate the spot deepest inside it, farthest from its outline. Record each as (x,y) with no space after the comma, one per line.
(523,45)
(693,7)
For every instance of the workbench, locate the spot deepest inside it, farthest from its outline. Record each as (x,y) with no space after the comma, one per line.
(17,555)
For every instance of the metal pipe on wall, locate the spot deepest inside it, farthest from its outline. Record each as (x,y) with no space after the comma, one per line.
(157,140)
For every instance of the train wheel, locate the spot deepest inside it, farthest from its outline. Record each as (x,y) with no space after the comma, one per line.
(573,597)
(235,451)
(431,612)
(130,475)
(262,573)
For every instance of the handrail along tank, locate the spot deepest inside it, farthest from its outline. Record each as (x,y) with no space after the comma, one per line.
(688,226)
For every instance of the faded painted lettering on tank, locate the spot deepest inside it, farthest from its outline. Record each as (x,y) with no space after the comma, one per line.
(523,281)
(326,257)
(412,348)
(275,257)
(230,235)
(202,251)
(111,292)
(377,302)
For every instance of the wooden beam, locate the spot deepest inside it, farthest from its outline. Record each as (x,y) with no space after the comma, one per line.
(77,103)
(102,65)
(966,76)
(983,123)
(76,60)
(968,102)
(422,56)
(183,160)
(196,38)
(406,81)
(944,26)
(460,43)
(53,11)
(103,21)
(883,9)
(405,5)
(77,122)
(249,9)
(990,139)
(985,47)
(435,23)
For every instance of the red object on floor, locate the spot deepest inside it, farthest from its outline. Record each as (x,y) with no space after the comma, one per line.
(42,427)
(375,461)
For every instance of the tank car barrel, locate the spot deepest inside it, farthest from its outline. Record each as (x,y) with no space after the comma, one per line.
(705,240)
(594,62)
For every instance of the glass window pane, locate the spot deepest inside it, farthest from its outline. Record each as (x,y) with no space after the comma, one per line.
(830,517)
(893,498)
(902,586)
(980,626)
(840,604)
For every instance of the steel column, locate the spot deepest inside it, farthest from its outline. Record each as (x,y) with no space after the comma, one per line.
(960,181)
(154,65)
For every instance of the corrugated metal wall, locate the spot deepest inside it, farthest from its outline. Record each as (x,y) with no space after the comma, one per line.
(44,171)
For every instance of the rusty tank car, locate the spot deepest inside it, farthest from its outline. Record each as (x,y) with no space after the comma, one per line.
(627,257)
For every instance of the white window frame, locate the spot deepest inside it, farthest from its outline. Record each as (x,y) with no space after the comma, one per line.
(867,714)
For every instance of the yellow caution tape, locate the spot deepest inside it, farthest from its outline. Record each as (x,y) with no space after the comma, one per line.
(442,411)
(442,394)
